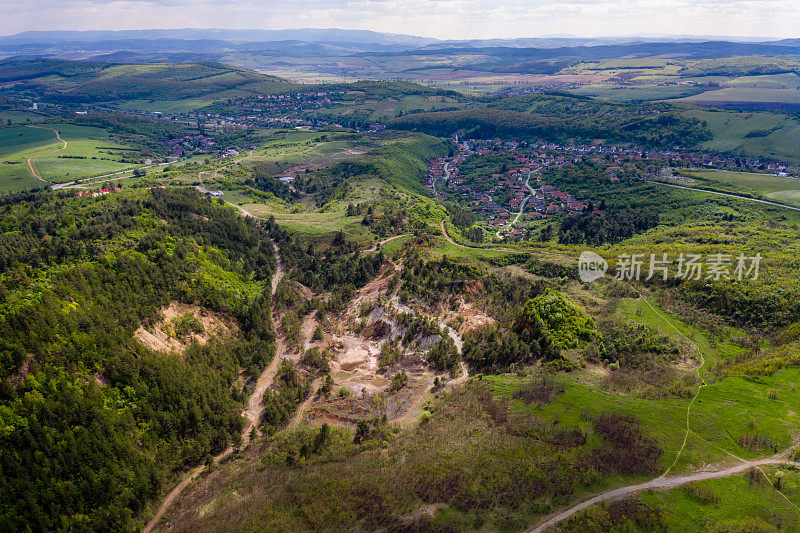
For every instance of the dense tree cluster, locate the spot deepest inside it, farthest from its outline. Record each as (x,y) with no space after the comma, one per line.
(290,388)
(340,267)
(559,118)
(604,228)
(265,181)
(96,418)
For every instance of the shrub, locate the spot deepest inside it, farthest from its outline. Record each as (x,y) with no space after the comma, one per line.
(399,380)
(541,389)
(186,325)
(703,494)
(625,449)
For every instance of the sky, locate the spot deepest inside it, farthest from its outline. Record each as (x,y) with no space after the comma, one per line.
(444,19)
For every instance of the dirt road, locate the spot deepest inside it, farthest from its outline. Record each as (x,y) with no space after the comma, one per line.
(252,413)
(303,407)
(662,483)
(30,159)
(378,245)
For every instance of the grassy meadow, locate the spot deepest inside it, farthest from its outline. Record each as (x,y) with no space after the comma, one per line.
(89,152)
(780,189)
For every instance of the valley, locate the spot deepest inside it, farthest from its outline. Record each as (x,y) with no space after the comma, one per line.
(354,297)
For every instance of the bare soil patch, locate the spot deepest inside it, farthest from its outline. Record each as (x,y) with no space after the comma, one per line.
(162,335)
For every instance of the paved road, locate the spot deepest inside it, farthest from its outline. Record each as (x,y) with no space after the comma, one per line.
(521,206)
(446,177)
(662,483)
(747,198)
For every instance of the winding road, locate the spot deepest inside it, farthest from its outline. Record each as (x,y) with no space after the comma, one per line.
(729,195)
(252,413)
(521,206)
(446,178)
(30,159)
(661,483)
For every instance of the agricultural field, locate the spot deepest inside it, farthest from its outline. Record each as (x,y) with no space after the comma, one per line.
(780,189)
(20,117)
(754,134)
(82,152)
(773,88)
(641,92)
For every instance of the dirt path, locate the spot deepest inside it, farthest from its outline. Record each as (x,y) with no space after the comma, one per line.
(252,413)
(463,377)
(303,407)
(662,483)
(697,369)
(30,159)
(380,244)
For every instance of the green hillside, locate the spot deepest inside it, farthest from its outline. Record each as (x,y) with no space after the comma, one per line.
(97,418)
(193,84)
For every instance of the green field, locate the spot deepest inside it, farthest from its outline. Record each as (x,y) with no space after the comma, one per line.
(780,189)
(87,154)
(20,117)
(20,138)
(745,502)
(732,503)
(730,130)
(783,88)
(746,94)
(725,410)
(635,93)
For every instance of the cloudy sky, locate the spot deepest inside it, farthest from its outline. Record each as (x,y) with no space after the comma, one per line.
(446,19)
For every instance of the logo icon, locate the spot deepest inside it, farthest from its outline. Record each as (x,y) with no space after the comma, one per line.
(591,266)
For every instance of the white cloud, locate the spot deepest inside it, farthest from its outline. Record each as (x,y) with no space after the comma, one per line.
(436,18)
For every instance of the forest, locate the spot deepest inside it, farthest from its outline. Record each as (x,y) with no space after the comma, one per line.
(100,421)
(559,118)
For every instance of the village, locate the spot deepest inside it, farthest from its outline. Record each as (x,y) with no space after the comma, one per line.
(518,190)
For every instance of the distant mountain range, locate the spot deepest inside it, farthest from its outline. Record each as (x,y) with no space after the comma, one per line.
(234,36)
(214,44)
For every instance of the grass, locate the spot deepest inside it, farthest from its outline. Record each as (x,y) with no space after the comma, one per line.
(781,189)
(317,222)
(747,94)
(732,407)
(19,143)
(20,117)
(445,247)
(737,501)
(16,178)
(635,93)
(725,410)
(730,128)
(21,138)
(59,169)
(652,315)
(663,420)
